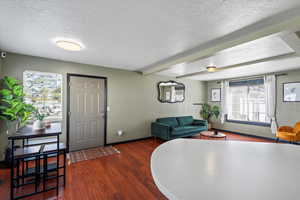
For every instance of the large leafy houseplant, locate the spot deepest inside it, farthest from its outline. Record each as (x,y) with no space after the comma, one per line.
(12,105)
(209,111)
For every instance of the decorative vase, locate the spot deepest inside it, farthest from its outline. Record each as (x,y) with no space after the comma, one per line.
(47,124)
(17,126)
(38,125)
(12,127)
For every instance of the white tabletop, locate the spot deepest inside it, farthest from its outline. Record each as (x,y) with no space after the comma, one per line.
(189,169)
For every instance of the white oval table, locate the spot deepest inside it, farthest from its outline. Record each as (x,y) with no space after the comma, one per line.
(191,169)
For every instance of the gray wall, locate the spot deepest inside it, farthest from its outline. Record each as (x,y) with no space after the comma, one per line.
(287,113)
(0,67)
(132,98)
(3,138)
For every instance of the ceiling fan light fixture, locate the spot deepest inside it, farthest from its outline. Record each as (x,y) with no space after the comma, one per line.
(211,68)
(68,45)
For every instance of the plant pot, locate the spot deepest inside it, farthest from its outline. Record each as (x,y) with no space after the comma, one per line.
(11,127)
(38,125)
(18,126)
(209,126)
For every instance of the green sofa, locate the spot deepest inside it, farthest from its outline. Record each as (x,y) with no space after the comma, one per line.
(176,127)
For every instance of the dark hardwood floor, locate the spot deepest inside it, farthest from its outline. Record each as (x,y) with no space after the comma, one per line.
(123,176)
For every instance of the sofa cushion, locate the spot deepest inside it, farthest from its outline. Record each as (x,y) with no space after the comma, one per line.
(171,121)
(181,130)
(184,121)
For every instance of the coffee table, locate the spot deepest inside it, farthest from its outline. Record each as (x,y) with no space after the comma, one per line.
(212,134)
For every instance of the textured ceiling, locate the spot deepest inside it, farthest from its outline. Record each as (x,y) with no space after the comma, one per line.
(128,34)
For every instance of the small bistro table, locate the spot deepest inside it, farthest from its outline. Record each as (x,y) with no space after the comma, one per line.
(212,134)
(37,151)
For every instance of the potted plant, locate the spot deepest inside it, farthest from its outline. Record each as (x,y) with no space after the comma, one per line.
(12,105)
(13,109)
(209,111)
(39,122)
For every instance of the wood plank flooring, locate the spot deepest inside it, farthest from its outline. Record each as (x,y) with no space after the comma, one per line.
(122,176)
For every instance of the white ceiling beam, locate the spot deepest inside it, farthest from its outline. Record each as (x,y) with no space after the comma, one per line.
(273,58)
(293,41)
(274,25)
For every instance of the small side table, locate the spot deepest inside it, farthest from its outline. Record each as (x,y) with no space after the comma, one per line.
(212,134)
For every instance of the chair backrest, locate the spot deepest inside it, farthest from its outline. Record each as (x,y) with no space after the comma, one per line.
(297,127)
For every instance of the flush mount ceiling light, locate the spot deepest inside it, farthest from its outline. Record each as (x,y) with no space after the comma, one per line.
(68,45)
(211,68)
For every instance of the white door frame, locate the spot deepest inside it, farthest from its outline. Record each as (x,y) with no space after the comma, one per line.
(68,104)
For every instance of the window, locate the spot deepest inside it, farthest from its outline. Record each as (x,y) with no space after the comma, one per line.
(246,102)
(44,92)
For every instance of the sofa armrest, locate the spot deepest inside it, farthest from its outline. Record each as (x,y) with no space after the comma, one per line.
(200,122)
(298,135)
(160,130)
